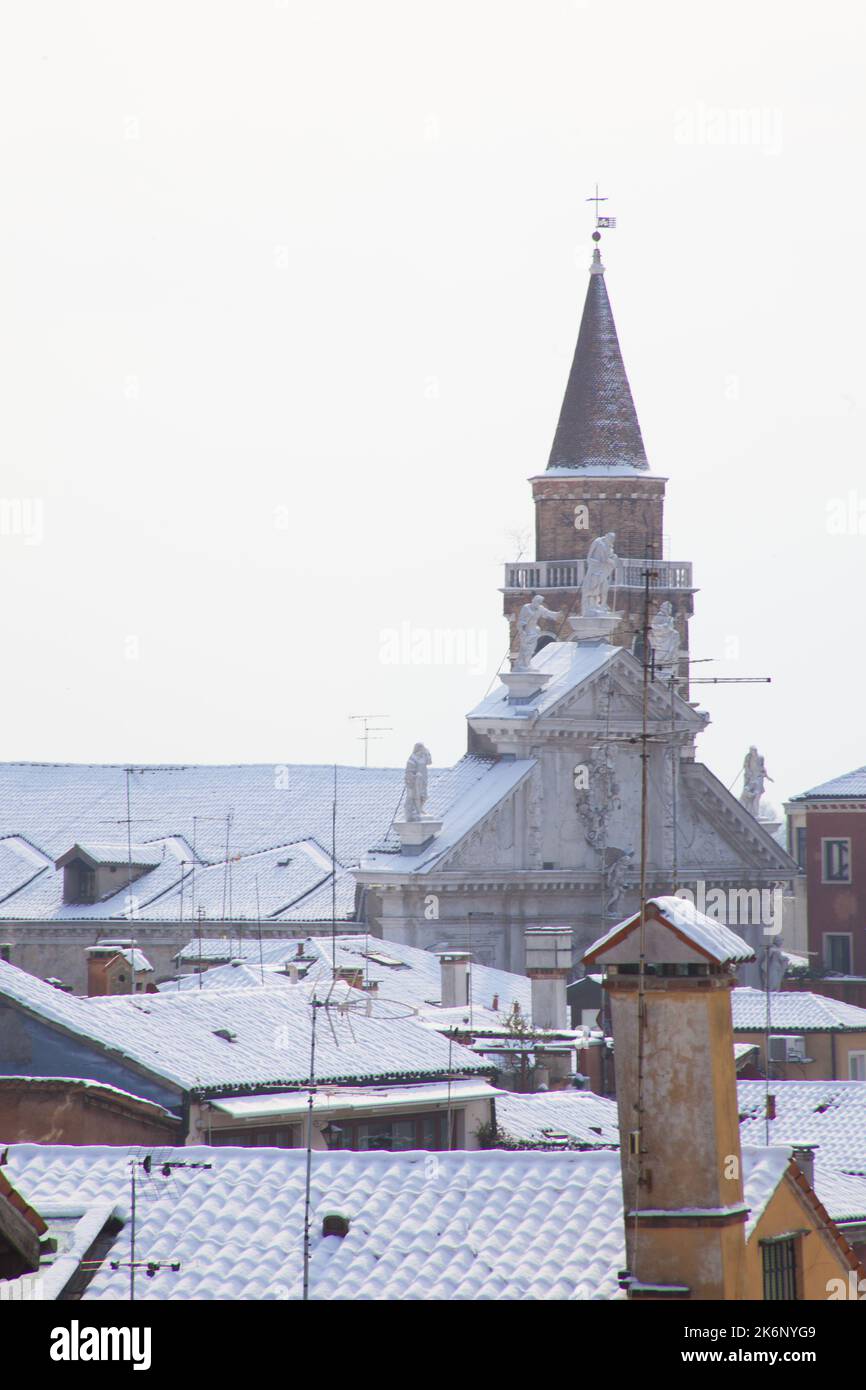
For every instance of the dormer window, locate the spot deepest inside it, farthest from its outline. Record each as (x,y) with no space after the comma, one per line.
(93,872)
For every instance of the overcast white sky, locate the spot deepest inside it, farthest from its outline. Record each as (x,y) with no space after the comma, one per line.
(290,292)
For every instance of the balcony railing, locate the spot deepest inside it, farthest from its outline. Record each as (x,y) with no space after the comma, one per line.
(568,574)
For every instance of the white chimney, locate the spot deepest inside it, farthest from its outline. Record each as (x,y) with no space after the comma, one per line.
(454,989)
(548,963)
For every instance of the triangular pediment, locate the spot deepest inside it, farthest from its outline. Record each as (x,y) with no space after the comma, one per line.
(717,832)
(613,696)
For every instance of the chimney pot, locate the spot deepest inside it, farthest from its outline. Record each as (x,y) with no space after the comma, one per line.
(804,1157)
(335,1224)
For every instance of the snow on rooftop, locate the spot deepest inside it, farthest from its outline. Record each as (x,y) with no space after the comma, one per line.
(793,1011)
(849,784)
(281,812)
(842,1194)
(13,1082)
(708,936)
(331,1099)
(582,1116)
(445,1226)
(413,978)
(178,1037)
(831,1114)
(569,663)
(118,854)
(487,1224)
(457,820)
(763,1170)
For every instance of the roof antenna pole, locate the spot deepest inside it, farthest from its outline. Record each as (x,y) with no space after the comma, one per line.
(675,766)
(129,882)
(259,921)
(648,574)
(132,1231)
(334,879)
(306,1288)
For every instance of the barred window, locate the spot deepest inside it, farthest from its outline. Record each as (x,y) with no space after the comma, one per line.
(780,1269)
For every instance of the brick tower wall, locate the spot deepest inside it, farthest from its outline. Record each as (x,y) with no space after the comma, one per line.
(632,507)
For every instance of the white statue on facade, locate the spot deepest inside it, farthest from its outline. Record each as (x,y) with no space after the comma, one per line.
(529,630)
(600,564)
(415,781)
(665,639)
(755,776)
(618,867)
(773,965)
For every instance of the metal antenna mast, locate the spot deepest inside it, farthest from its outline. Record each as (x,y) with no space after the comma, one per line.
(371,731)
(316,1005)
(150,1267)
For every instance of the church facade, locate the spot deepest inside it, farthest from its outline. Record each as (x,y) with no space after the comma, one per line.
(585,753)
(574,721)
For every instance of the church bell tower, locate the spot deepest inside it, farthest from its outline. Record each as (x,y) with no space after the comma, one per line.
(598,480)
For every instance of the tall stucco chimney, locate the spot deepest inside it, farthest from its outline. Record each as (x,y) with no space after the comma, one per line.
(454,967)
(548,962)
(669,987)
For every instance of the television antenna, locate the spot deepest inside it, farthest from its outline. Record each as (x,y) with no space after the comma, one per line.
(371,730)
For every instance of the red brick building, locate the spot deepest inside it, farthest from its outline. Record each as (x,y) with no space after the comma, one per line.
(827,837)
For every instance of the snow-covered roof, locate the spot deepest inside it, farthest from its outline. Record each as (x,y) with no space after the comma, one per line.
(831,1114)
(355,1099)
(95,1089)
(843,1195)
(181,1037)
(270,950)
(794,1011)
(452,1226)
(849,784)
(539,1116)
(763,1170)
(712,939)
(137,959)
(115,855)
(278,812)
(569,663)
(237,975)
(458,820)
(404,973)
(42,896)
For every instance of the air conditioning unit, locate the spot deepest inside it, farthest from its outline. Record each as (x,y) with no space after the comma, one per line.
(785,1047)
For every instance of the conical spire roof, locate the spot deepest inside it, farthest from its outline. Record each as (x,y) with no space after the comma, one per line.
(598,428)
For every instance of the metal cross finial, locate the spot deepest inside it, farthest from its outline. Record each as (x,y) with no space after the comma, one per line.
(596,199)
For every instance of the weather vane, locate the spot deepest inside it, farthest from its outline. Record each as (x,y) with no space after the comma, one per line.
(600,221)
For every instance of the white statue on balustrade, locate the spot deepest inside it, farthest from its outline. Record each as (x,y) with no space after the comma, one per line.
(415,782)
(665,639)
(529,630)
(755,776)
(600,564)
